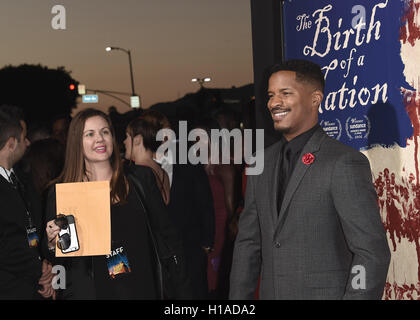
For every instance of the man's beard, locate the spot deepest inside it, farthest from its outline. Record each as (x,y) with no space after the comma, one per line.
(281,129)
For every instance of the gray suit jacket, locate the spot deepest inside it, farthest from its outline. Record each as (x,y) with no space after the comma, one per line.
(325,238)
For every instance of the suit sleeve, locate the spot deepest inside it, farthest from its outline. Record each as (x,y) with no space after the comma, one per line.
(246,264)
(50,214)
(36,209)
(355,200)
(50,210)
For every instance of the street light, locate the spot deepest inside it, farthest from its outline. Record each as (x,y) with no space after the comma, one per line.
(201,81)
(108,49)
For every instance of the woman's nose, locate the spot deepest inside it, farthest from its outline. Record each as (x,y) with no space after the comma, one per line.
(100,137)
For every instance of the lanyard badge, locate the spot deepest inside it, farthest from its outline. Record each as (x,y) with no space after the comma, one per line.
(33,239)
(117,263)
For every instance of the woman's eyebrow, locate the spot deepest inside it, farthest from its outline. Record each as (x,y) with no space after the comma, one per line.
(94,129)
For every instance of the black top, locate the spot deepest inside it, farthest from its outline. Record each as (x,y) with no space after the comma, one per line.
(191,207)
(296,146)
(127,273)
(191,210)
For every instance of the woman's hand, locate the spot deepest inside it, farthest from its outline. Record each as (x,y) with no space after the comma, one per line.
(52,232)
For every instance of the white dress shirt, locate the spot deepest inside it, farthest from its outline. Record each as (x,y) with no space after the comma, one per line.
(6,173)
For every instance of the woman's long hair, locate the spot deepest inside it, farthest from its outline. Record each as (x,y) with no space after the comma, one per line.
(74,164)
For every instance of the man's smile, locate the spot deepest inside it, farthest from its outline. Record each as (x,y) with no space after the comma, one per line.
(279,114)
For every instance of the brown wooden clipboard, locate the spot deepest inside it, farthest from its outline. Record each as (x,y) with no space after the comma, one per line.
(89,203)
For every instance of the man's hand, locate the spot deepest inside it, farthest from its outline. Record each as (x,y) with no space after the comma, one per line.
(207,250)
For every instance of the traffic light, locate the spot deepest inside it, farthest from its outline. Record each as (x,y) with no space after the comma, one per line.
(72,87)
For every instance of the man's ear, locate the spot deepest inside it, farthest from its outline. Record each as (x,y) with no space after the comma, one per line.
(317,97)
(11,144)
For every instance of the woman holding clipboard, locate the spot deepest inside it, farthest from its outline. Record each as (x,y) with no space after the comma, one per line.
(145,245)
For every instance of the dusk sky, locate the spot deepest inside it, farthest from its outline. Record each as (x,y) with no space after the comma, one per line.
(171,41)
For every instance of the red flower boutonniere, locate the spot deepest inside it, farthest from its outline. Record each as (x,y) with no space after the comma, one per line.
(308,158)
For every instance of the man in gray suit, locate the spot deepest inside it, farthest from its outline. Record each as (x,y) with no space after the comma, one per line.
(311,227)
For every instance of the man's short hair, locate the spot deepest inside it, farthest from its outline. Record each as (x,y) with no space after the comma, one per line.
(306,71)
(10,126)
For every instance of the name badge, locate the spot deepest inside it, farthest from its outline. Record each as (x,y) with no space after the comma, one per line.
(33,239)
(118,264)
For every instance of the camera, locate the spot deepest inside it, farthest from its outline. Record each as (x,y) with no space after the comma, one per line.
(67,238)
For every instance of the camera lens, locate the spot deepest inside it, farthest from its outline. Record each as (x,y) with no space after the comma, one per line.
(64,241)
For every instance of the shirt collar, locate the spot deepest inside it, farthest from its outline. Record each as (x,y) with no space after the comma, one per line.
(296,144)
(6,173)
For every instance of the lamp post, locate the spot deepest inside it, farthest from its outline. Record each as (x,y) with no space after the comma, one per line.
(201,81)
(129,61)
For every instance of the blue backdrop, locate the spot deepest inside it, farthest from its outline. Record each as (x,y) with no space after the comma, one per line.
(357,44)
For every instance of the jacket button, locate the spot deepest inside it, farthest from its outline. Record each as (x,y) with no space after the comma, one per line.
(277,244)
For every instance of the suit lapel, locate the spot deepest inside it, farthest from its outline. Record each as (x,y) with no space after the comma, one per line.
(312,146)
(273,174)
(4,183)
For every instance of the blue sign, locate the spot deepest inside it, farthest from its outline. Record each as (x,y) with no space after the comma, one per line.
(90,98)
(357,44)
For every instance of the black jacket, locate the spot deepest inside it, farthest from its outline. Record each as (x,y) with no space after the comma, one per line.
(192,211)
(20,265)
(191,206)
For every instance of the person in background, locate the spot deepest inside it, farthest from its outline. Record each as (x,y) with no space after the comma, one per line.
(24,274)
(60,127)
(160,121)
(38,131)
(222,183)
(140,146)
(190,208)
(43,162)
